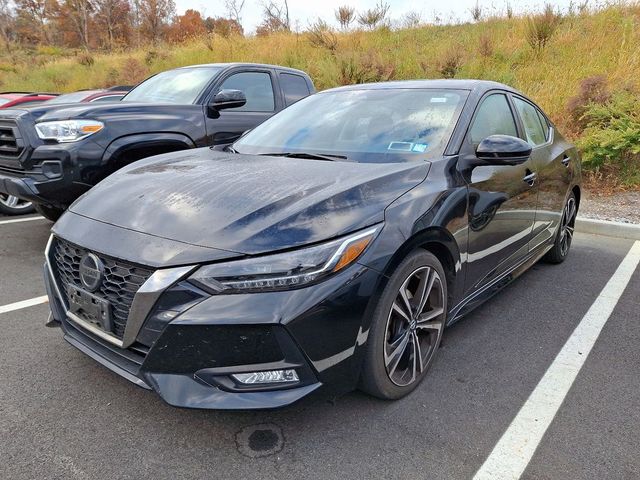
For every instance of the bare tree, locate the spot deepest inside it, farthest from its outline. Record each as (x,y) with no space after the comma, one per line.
(411,20)
(234,10)
(276,18)
(345,15)
(476,12)
(374,17)
(78,12)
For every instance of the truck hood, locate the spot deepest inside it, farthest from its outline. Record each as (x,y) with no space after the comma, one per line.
(97,111)
(247,204)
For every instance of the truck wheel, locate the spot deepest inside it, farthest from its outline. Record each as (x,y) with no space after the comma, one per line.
(10,205)
(50,213)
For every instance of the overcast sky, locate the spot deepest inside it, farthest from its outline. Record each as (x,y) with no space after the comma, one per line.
(303,11)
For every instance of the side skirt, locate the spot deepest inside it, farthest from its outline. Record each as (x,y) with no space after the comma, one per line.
(480,296)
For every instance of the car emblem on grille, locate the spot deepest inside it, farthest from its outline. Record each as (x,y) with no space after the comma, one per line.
(91,272)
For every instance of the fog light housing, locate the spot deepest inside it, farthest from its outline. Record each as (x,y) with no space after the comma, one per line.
(267,377)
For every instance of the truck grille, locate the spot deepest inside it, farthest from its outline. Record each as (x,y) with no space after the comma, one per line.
(10,141)
(121,279)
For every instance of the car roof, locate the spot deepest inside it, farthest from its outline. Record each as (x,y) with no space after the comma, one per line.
(240,64)
(459,84)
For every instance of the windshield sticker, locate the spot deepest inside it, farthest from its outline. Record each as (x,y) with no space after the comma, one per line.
(404,146)
(438,100)
(419,147)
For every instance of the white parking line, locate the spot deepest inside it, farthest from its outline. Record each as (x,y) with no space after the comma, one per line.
(18,220)
(23,304)
(516,447)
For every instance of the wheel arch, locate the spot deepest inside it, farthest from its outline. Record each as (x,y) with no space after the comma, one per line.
(576,193)
(441,243)
(140,146)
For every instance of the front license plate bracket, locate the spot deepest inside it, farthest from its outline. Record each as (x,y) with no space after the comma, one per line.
(90,307)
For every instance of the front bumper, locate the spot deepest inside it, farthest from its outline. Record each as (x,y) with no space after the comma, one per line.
(319,330)
(53,174)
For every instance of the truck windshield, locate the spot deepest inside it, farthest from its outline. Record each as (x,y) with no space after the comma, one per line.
(181,86)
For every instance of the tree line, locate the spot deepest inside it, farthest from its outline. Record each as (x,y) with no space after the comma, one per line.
(107,24)
(114,24)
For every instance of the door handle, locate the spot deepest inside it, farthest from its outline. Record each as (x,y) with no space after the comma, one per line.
(566,160)
(530,178)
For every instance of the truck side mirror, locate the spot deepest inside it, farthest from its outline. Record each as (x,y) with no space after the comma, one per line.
(228,99)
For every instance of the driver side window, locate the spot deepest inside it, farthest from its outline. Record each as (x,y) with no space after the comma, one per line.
(494,117)
(257,88)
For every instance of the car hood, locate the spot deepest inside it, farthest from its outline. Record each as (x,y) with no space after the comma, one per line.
(244,203)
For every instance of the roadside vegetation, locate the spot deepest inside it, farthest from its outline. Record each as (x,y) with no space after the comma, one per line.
(582,65)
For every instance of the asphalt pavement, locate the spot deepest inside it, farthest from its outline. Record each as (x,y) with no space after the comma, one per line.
(64,416)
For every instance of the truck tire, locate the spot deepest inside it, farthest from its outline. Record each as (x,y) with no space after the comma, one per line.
(50,213)
(10,205)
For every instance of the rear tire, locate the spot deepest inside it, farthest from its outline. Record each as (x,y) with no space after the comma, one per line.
(50,213)
(10,205)
(406,328)
(562,243)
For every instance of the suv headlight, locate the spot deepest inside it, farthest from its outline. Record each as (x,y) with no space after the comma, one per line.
(68,130)
(284,271)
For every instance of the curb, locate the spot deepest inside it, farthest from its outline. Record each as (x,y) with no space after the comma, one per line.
(609,229)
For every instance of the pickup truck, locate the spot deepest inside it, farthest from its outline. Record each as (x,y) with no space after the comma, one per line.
(52,154)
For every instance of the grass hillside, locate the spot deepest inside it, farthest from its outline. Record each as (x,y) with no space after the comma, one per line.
(566,64)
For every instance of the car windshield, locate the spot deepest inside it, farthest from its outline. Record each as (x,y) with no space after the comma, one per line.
(4,100)
(74,97)
(368,125)
(181,86)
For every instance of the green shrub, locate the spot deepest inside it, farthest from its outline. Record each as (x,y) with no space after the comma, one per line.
(611,140)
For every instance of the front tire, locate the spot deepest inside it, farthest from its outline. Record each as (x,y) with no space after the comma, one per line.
(10,205)
(50,213)
(407,327)
(564,237)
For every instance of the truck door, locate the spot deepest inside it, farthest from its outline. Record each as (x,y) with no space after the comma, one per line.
(262,102)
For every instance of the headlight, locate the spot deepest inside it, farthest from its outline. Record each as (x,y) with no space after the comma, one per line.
(68,130)
(284,270)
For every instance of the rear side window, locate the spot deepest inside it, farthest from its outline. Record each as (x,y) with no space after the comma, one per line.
(531,120)
(545,124)
(257,88)
(294,87)
(494,117)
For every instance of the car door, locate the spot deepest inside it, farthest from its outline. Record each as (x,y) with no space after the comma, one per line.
(262,102)
(502,199)
(551,157)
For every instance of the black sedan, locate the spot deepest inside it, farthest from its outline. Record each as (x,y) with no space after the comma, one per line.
(328,247)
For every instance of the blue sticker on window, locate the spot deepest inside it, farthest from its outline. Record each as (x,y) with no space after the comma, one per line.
(419,147)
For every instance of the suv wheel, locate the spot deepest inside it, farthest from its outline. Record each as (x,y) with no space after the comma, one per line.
(10,205)
(406,328)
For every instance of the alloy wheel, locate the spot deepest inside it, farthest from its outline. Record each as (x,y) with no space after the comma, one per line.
(13,203)
(567,226)
(414,326)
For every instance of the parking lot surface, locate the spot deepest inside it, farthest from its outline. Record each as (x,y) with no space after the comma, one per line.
(64,416)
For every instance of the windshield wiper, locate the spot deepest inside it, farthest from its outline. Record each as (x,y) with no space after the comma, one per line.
(310,156)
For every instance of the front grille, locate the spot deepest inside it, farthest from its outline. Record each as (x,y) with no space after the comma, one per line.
(121,279)
(10,142)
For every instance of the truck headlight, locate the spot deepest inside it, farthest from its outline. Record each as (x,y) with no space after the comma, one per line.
(284,271)
(64,131)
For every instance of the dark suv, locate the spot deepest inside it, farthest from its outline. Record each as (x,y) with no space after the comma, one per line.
(51,155)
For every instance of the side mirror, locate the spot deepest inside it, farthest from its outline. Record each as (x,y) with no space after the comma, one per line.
(228,99)
(503,150)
